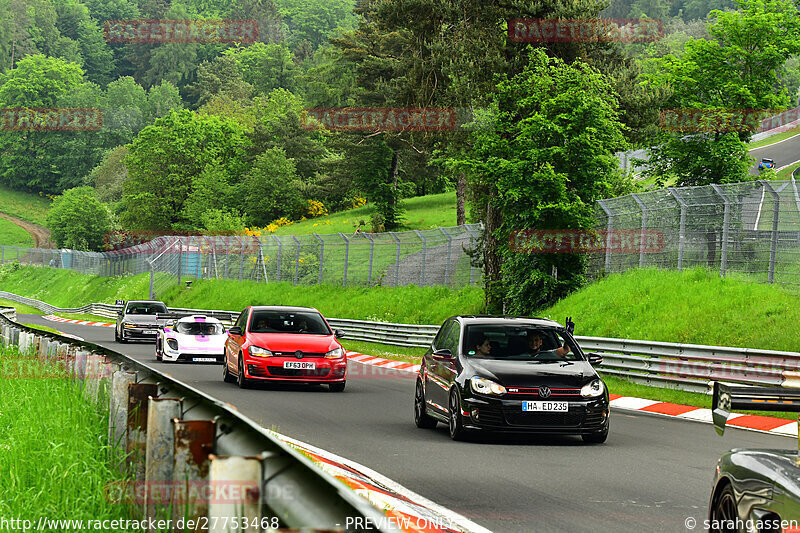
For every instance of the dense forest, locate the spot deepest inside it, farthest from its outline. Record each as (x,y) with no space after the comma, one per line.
(214,136)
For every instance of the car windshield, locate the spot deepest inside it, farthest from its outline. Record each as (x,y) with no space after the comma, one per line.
(518,343)
(199,328)
(283,322)
(146,308)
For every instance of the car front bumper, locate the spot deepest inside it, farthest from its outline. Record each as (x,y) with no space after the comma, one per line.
(272,369)
(138,334)
(583,417)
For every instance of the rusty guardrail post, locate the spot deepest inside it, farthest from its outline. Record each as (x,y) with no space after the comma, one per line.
(138,405)
(193,441)
(244,473)
(160,456)
(118,415)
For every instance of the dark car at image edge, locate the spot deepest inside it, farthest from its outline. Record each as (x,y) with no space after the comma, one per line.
(514,389)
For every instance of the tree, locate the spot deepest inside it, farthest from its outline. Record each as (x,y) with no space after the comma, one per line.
(107,177)
(541,159)
(78,220)
(266,66)
(316,20)
(164,160)
(271,189)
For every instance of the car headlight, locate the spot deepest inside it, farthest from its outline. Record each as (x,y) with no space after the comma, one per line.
(258,351)
(172,344)
(336,353)
(486,386)
(128,325)
(593,389)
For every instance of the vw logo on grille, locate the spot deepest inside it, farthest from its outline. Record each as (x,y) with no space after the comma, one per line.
(298,354)
(544,392)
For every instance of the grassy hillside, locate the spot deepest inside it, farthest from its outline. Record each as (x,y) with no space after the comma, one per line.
(695,306)
(424,305)
(13,235)
(423,212)
(27,206)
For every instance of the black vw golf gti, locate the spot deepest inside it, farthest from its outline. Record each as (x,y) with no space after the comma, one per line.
(519,375)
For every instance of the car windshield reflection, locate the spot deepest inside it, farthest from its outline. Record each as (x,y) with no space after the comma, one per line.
(515,343)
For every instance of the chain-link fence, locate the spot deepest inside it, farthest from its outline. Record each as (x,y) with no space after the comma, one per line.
(423,258)
(752,228)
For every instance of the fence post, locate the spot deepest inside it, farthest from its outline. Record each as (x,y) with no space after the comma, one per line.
(296,259)
(180,260)
(725,223)
(321,256)
(280,252)
(241,257)
(682,234)
(472,247)
(424,253)
(609,229)
(396,260)
(643,244)
(346,254)
(773,245)
(2,254)
(447,264)
(371,253)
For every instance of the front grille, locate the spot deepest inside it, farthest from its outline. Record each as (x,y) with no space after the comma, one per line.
(295,373)
(532,393)
(521,418)
(293,354)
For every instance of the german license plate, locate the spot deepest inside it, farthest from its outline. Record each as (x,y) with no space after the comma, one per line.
(150,332)
(299,365)
(545,406)
(204,359)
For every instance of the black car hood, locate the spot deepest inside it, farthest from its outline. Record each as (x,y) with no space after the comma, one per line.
(529,373)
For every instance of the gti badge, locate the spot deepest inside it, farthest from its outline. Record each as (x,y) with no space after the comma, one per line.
(544,392)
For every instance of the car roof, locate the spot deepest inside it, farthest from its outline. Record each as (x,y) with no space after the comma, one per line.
(145,302)
(767,159)
(511,320)
(285,308)
(200,318)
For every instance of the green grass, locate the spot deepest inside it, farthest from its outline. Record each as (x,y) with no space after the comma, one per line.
(695,306)
(21,308)
(786,173)
(423,212)
(43,328)
(56,467)
(774,139)
(13,235)
(27,206)
(410,304)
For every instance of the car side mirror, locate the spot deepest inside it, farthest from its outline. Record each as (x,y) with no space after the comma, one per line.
(595,359)
(235,330)
(443,355)
(338,333)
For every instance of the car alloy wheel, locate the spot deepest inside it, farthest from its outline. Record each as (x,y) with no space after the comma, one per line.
(457,431)
(421,417)
(227,377)
(243,381)
(725,513)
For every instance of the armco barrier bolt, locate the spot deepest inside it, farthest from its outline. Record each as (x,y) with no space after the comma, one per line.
(159,450)
(118,414)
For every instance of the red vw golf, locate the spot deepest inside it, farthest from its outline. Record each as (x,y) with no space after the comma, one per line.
(280,343)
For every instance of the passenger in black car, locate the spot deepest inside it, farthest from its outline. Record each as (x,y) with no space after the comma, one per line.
(483,348)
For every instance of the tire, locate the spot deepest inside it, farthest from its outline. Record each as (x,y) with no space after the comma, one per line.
(159,357)
(723,510)
(241,380)
(456,425)
(595,438)
(421,417)
(337,387)
(227,377)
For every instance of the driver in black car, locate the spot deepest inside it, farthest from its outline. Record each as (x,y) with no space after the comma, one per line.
(535,345)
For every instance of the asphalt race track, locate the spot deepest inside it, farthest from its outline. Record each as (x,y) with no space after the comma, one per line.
(651,475)
(783,153)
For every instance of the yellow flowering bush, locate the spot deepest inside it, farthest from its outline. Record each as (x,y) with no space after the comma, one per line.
(316,209)
(358,201)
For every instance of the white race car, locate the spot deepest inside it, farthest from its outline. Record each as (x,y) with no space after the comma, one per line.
(195,338)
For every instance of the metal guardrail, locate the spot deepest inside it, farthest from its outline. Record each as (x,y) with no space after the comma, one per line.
(688,367)
(173,434)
